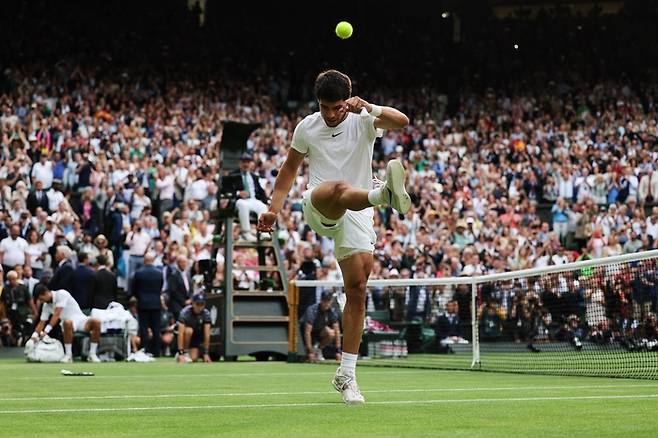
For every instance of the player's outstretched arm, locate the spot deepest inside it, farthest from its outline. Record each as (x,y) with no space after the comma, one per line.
(282,186)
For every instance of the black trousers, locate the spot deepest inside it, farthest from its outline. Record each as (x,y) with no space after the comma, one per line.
(150,319)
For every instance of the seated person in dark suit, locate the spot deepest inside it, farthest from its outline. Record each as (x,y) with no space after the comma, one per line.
(448,329)
(321,328)
(244,185)
(193,331)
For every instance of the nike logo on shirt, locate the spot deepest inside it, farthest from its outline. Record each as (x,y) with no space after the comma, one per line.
(336,135)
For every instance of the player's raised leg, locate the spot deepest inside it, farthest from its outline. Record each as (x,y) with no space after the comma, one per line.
(356,270)
(333,198)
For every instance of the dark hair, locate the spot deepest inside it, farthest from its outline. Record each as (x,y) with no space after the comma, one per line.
(39,290)
(101,260)
(82,257)
(332,86)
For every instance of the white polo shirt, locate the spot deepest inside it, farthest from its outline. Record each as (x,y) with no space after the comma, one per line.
(13,251)
(70,308)
(43,173)
(343,152)
(138,242)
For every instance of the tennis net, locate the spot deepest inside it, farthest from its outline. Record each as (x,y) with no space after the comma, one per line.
(590,318)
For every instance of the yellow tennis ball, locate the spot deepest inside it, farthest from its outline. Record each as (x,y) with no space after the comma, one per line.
(344,30)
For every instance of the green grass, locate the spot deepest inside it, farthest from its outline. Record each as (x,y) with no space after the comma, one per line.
(273,399)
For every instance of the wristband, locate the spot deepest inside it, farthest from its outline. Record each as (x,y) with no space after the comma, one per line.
(205,350)
(181,351)
(376,110)
(48,329)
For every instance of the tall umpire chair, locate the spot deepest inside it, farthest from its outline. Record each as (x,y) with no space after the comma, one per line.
(254,320)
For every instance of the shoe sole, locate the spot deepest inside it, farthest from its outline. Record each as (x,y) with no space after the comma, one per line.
(395,176)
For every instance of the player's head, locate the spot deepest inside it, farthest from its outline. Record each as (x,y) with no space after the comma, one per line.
(43,293)
(332,89)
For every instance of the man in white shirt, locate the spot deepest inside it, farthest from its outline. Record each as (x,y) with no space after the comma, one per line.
(339,141)
(43,171)
(13,250)
(60,306)
(138,242)
(166,185)
(55,195)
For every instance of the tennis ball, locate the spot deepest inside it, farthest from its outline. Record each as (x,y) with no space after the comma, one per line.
(344,30)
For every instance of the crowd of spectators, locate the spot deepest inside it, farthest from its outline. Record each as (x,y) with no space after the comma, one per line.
(117,162)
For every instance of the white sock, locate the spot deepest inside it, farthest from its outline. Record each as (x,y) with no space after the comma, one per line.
(348,363)
(375,197)
(68,348)
(92,348)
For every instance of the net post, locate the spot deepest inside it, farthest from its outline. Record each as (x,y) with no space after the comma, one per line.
(474,326)
(293,300)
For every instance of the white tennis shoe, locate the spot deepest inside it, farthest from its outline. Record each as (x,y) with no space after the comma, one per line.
(93,358)
(393,192)
(347,386)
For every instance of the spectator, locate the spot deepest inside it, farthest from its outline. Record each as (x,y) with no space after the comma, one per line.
(321,328)
(13,250)
(137,242)
(37,198)
(194,331)
(37,251)
(147,287)
(19,306)
(448,327)
(104,285)
(101,244)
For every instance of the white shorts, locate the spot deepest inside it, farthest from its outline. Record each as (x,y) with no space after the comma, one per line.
(78,323)
(354,232)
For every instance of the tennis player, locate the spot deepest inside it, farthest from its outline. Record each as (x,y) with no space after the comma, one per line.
(338,141)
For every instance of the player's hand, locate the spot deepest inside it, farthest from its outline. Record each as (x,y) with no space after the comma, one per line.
(266,221)
(355,104)
(339,357)
(312,357)
(35,337)
(243,194)
(206,358)
(181,358)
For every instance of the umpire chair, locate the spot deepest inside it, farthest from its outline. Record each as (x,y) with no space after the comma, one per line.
(254,319)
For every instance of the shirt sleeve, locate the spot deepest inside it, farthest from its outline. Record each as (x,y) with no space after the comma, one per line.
(309,316)
(369,125)
(298,140)
(206,316)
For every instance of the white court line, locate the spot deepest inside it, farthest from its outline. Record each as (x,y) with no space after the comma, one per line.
(375,391)
(322,404)
(220,374)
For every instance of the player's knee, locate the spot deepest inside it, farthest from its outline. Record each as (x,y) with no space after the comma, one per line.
(339,188)
(188,331)
(68,324)
(330,333)
(357,294)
